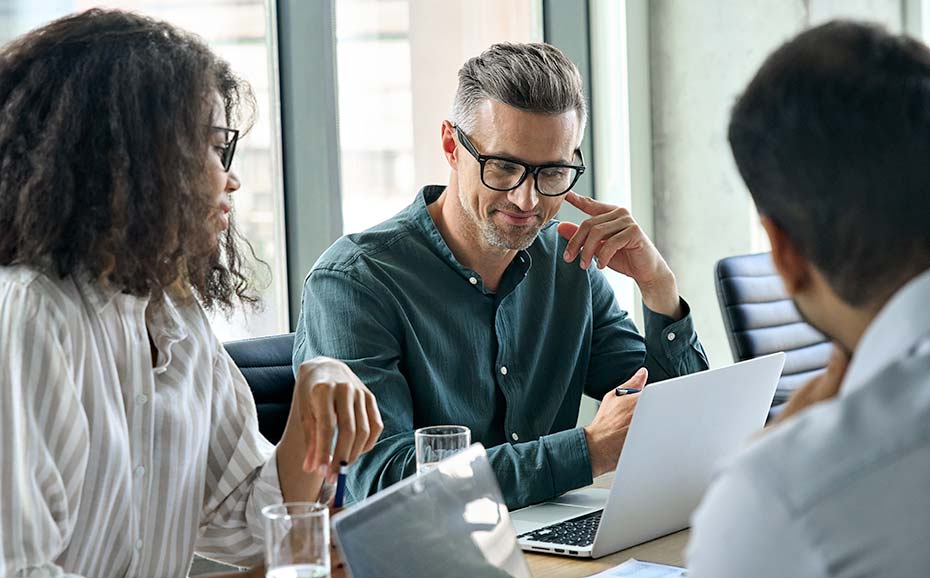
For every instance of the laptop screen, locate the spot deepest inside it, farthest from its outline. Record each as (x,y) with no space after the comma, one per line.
(449,522)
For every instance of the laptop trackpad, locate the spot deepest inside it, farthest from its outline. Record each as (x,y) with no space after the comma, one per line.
(545,514)
(529,519)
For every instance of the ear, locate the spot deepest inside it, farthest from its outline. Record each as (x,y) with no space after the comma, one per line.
(794,269)
(449,144)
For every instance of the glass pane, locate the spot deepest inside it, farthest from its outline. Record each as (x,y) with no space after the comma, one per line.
(238,30)
(397,65)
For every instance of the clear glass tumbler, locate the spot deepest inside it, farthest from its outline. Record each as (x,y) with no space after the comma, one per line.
(435,443)
(297,540)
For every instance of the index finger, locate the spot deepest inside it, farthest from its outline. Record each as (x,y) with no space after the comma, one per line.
(588,205)
(345,416)
(322,406)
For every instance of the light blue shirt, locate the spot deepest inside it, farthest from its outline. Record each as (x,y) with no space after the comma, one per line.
(843,490)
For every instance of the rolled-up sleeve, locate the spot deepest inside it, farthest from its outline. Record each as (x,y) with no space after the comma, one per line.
(669,349)
(672,347)
(242,473)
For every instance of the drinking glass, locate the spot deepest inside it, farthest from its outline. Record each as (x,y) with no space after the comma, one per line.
(438,442)
(297,540)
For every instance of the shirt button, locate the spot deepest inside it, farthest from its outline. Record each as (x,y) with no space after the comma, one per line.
(139,544)
(670,336)
(141,399)
(503,370)
(140,471)
(515,436)
(472,280)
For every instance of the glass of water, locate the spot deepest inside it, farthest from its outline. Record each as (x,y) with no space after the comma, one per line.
(297,540)
(435,443)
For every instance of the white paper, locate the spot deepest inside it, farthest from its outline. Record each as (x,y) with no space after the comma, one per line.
(633,568)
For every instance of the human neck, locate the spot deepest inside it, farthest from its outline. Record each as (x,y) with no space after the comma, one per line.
(822,307)
(852,326)
(860,319)
(465,241)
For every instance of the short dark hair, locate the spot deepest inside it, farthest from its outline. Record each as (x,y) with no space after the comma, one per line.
(832,137)
(104,135)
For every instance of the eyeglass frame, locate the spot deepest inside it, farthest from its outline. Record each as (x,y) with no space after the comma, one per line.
(229,147)
(527,167)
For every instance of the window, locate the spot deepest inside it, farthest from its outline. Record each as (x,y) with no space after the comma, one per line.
(397,65)
(238,30)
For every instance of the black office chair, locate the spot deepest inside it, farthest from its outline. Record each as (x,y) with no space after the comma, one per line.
(761,319)
(266,364)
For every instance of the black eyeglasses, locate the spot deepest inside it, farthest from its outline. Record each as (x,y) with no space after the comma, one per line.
(227,150)
(503,174)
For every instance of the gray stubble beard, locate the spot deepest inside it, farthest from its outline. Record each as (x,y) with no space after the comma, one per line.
(492,235)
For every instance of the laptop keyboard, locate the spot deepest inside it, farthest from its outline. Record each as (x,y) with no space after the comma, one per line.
(575,532)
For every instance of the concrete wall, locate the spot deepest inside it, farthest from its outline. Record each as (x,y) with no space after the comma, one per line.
(702,54)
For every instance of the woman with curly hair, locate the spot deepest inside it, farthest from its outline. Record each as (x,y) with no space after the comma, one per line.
(128,438)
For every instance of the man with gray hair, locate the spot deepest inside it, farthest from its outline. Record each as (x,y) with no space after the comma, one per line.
(473,307)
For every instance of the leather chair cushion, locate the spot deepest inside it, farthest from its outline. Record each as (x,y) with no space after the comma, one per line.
(266,364)
(760,319)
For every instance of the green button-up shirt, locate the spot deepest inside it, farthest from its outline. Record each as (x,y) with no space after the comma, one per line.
(437,347)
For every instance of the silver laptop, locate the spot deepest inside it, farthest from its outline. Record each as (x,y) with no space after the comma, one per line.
(680,430)
(450,522)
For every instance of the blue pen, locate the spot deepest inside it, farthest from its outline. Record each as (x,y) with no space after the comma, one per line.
(626,390)
(341,485)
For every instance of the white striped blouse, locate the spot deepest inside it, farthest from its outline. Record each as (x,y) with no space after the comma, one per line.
(111,467)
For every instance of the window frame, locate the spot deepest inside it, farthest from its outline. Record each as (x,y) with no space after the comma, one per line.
(310,134)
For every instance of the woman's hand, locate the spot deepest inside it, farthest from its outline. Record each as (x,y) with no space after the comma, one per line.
(331,401)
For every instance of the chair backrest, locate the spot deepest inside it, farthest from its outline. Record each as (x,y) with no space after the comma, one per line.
(760,319)
(266,364)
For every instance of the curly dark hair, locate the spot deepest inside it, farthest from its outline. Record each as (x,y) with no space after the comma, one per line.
(104,130)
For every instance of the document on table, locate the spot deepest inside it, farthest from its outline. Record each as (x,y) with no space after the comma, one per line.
(633,568)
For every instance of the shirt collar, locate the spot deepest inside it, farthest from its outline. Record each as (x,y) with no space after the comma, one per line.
(164,322)
(98,295)
(424,221)
(901,328)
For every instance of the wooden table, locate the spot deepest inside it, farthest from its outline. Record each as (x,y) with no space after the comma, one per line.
(666,550)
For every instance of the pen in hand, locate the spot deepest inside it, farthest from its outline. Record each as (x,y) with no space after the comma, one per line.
(341,485)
